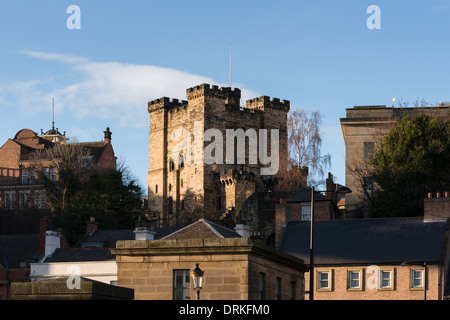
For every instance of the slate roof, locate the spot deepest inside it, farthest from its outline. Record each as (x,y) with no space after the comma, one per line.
(106,238)
(18,247)
(203,229)
(366,241)
(81,255)
(304,195)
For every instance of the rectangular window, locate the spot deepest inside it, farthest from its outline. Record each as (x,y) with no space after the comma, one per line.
(416,278)
(306,213)
(53,174)
(40,200)
(10,199)
(24,199)
(181,285)
(323,280)
(293,288)
(25,179)
(32,176)
(368,187)
(386,279)
(262,286)
(354,280)
(278,289)
(368,150)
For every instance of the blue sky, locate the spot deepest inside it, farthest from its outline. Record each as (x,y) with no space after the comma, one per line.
(320,55)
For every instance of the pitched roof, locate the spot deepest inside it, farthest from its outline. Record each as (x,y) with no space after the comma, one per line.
(106,239)
(18,247)
(202,229)
(366,241)
(109,237)
(81,255)
(304,195)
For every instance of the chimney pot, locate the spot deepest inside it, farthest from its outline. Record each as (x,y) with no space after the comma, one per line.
(108,134)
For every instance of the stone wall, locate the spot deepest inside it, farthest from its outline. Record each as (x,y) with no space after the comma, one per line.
(231,268)
(208,107)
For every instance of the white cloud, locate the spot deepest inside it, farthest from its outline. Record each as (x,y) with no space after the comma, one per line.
(105,90)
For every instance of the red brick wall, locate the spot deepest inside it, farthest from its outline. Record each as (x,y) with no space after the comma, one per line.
(9,163)
(437,206)
(107,160)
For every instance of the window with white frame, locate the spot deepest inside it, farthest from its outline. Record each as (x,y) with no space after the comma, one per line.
(24,199)
(32,176)
(324,280)
(40,199)
(306,213)
(10,199)
(354,279)
(386,279)
(25,178)
(417,276)
(52,176)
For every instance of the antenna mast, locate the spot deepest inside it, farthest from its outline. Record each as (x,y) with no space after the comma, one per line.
(53,113)
(230,65)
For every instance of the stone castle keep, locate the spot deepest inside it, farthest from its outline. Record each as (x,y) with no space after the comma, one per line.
(182,186)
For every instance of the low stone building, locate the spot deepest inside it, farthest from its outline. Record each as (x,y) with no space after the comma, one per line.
(363,129)
(235,267)
(375,259)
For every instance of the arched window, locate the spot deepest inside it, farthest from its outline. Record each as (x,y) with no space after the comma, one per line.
(181,161)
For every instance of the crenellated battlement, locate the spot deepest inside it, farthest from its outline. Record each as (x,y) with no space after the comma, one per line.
(165,102)
(264,102)
(230,96)
(206,90)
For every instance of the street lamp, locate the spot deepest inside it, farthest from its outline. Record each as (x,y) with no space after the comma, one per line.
(197,279)
(341,189)
(423,265)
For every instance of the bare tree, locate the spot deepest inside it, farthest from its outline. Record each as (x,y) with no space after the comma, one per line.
(304,143)
(62,169)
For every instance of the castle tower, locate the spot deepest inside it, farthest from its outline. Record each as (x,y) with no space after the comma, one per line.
(188,151)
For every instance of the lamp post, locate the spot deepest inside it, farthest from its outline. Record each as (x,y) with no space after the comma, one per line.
(197,279)
(424,266)
(341,189)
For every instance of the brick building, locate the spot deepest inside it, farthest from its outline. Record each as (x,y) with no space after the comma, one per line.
(183,133)
(363,129)
(20,186)
(382,259)
(234,266)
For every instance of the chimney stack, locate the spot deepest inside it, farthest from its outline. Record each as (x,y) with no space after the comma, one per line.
(44,225)
(52,242)
(437,207)
(91,226)
(107,135)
